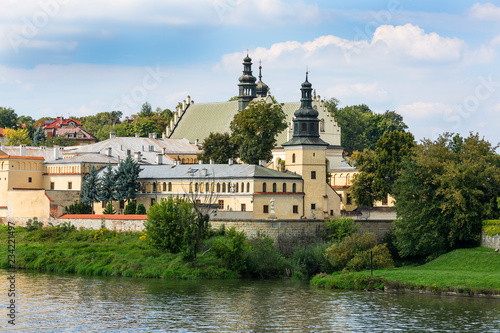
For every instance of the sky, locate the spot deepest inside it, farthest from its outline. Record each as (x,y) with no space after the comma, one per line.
(434,62)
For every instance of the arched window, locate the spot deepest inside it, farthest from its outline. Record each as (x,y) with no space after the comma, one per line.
(284,187)
(164,187)
(207,187)
(294,188)
(223,187)
(196,187)
(274,187)
(264,187)
(236,187)
(170,187)
(218,187)
(243,187)
(293,158)
(322,125)
(248,187)
(154,187)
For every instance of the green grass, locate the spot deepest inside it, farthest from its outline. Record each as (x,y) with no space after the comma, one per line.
(104,252)
(469,271)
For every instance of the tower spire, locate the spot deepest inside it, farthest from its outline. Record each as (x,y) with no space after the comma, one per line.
(247,84)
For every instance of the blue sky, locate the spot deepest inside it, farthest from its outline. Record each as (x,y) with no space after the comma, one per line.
(434,62)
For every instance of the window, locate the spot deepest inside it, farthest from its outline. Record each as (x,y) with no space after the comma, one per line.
(264,187)
(218,187)
(294,188)
(313,206)
(30,179)
(128,152)
(265,209)
(198,201)
(295,209)
(385,201)
(248,187)
(154,187)
(322,125)
(221,204)
(170,187)
(274,187)
(70,185)
(196,187)
(242,187)
(284,187)
(313,174)
(243,207)
(223,187)
(236,188)
(103,204)
(293,158)
(304,127)
(122,204)
(331,212)
(207,187)
(164,187)
(349,199)
(52,185)
(152,201)
(70,135)
(79,135)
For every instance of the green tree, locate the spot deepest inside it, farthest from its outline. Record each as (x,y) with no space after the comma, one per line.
(218,147)
(109,210)
(8,117)
(127,180)
(107,185)
(146,111)
(145,126)
(38,136)
(131,208)
(17,137)
(90,188)
(255,128)
(141,210)
(444,192)
(171,226)
(379,169)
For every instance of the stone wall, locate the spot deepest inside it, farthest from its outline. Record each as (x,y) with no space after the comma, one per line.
(492,242)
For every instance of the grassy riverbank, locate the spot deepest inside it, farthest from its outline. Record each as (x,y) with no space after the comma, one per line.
(104,252)
(468,271)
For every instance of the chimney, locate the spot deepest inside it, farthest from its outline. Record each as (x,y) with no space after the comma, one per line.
(262,163)
(188,100)
(200,162)
(183,105)
(164,150)
(204,172)
(231,161)
(108,151)
(22,149)
(56,152)
(137,156)
(150,135)
(159,159)
(211,161)
(196,141)
(112,135)
(154,135)
(136,135)
(177,162)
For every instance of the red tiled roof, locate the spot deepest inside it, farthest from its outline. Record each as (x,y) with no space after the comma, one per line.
(60,121)
(22,157)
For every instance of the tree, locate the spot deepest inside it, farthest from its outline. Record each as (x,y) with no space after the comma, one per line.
(171,226)
(131,208)
(361,127)
(218,147)
(145,126)
(38,136)
(109,210)
(255,128)
(444,192)
(90,188)
(379,169)
(146,111)
(17,137)
(8,117)
(141,210)
(127,180)
(107,185)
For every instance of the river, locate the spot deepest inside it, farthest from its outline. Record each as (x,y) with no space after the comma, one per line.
(67,303)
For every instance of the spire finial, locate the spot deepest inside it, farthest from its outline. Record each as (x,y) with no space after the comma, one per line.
(260,68)
(307,72)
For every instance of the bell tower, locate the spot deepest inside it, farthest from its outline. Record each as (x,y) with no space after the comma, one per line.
(247,85)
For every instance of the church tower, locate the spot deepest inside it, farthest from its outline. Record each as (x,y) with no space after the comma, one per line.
(305,154)
(262,88)
(247,85)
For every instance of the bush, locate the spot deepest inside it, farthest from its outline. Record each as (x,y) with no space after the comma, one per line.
(109,210)
(491,227)
(171,226)
(78,208)
(141,210)
(341,228)
(232,249)
(381,259)
(33,224)
(339,254)
(66,227)
(312,259)
(130,208)
(265,261)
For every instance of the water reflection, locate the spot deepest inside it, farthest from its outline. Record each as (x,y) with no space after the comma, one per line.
(60,303)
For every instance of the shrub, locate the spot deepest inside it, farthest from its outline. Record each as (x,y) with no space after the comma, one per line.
(232,249)
(109,210)
(78,208)
(341,228)
(339,254)
(171,226)
(381,259)
(130,208)
(66,227)
(312,258)
(141,210)
(33,224)
(491,227)
(265,261)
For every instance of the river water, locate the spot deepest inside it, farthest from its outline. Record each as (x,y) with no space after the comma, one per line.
(67,303)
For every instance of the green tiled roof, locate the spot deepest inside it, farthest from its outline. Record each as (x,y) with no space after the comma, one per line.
(201,119)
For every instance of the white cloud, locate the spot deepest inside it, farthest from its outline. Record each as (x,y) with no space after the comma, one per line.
(423,110)
(487,11)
